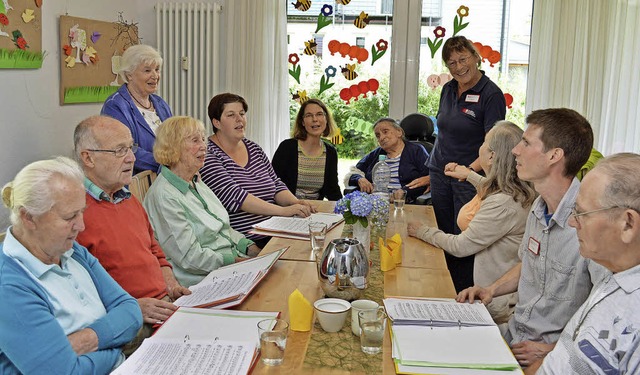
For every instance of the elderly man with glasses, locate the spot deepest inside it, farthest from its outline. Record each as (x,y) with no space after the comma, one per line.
(552,280)
(117,229)
(603,336)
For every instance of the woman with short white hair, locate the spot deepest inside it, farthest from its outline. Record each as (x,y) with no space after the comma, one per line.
(62,312)
(136,105)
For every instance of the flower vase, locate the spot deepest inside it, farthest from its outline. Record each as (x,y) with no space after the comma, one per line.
(363,234)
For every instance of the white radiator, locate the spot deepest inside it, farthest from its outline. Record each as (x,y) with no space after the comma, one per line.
(187,35)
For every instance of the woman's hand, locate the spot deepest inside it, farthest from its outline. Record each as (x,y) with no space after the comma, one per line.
(412,228)
(296,210)
(365,185)
(312,208)
(457,171)
(420,182)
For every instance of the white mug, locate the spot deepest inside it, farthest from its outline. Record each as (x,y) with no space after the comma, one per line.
(356,307)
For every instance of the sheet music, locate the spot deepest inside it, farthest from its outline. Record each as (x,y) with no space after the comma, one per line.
(433,312)
(184,356)
(297,225)
(203,324)
(219,288)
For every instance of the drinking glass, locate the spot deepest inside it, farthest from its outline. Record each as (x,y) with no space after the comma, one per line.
(372,324)
(398,198)
(317,233)
(273,340)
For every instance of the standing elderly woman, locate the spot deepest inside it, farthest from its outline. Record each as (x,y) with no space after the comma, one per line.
(305,163)
(62,313)
(189,221)
(135,103)
(407,160)
(470,104)
(239,172)
(496,225)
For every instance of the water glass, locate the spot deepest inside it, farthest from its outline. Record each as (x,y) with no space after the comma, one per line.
(372,325)
(273,340)
(317,233)
(398,198)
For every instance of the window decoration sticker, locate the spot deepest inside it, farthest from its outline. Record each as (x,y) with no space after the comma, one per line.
(343,2)
(329,73)
(378,50)
(362,88)
(436,80)
(458,24)
(509,99)
(324,18)
(337,137)
(349,71)
(302,5)
(436,43)
(300,96)
(345,49)
(362,21)
(310,47)
(295,71)
(488,54)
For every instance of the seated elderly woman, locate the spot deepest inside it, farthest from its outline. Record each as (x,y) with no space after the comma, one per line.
(493,222)
(61,313)
(189,221)
(305,163)
(407,161)
(240,174)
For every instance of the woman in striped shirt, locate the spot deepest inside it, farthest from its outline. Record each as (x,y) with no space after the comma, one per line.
(239,173)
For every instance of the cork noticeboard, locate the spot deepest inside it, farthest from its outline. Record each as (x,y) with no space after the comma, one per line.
(90,55)
(21,34)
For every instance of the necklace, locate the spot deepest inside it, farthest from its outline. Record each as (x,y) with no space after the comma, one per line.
(148,108)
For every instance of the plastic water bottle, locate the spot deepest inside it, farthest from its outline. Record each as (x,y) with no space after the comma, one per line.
(381,176)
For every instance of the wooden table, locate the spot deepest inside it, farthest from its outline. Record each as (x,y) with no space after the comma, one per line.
(423,273)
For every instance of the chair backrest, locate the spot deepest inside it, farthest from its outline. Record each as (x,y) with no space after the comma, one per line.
(2,235)
(418,127)
(141,182)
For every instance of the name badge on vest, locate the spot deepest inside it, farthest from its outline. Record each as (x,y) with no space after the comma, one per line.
(472,98)
(534,246)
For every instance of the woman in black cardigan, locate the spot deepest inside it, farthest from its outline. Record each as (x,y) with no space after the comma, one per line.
(305,163)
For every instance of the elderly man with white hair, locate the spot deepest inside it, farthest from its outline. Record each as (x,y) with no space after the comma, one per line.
(603,336)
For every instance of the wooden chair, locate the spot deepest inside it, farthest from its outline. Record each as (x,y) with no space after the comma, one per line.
(141,182)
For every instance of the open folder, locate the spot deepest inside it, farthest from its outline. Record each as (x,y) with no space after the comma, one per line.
(443,334)
(295,227)
(230,285)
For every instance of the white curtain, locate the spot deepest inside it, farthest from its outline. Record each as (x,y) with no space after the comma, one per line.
(585,55)
(255,54)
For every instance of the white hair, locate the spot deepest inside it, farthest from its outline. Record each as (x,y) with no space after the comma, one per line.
(33,187)
(136,55)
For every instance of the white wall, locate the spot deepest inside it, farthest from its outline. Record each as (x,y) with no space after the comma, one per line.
(33,125)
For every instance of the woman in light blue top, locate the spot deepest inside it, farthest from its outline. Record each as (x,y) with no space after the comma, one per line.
(190,223)
(62,313)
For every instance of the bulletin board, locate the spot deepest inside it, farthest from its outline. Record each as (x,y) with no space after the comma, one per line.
(21,34)
(90,54)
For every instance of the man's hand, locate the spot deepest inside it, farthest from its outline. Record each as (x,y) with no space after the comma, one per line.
(365,185)
(155,310)
(174,289)
(475,292)
(528,352)
(83,341)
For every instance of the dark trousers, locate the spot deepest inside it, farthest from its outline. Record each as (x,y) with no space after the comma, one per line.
(448,196)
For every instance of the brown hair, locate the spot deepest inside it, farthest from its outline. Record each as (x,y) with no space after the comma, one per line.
(568,130)
(459,44)
(217,103)
(299,132)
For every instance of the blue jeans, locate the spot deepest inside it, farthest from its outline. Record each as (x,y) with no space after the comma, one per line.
(448,196)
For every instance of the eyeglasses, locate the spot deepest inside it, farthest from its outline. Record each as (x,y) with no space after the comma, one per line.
(462,61)
(576,214)
(119,152)
(310,116)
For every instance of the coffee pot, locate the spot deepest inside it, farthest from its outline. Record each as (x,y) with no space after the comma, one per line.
(343,269)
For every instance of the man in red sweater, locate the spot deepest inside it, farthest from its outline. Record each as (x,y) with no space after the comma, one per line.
(117,229)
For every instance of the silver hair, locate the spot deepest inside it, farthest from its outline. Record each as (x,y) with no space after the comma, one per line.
(391,121)
(34,186)
(83,136)
(136,55)
(623,187)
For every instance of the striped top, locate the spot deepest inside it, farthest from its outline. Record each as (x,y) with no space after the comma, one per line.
(232,183)
(310,174)
(394,181)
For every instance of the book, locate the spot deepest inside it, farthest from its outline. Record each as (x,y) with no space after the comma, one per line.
(430,334)
(295,227)
(200,341)
(230,285)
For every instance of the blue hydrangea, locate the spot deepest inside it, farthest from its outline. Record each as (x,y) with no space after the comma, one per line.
(361,205)
(380,207)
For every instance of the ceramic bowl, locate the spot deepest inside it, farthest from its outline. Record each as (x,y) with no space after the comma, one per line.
(332,313)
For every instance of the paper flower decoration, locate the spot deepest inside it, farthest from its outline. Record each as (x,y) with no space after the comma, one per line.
(378,50)
(95,36)
(330,72)
(4,21)
(324,18)
(458,25)
(19,40)
(28,16)
(436,43)
(295,72)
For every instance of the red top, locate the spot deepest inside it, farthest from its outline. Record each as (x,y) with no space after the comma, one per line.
(121,237)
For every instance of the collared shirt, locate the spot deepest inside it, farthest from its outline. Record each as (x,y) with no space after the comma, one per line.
(555,281)
(603,337)
(192,227)
(75,300)
(98,194)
